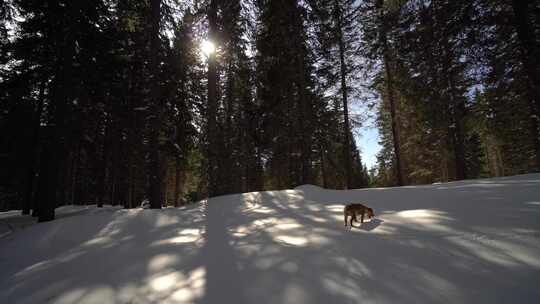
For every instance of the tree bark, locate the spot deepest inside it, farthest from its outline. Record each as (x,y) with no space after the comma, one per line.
(390,94)
(229,167)
(177,183)
(103,166)
(212,149)
(54,150)
(131,134)
(34,146)
(343,69)
(156,192)
(113,176)
(457,107)
(459,142)
(75,199)
(323,167)
(46,187)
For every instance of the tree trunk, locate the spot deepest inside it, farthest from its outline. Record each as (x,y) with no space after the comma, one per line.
(34,146)
(177,183)
(131,134)
(102,173)
(54,150)
(75,200)
(529,55)
(343,69)
(156,177)
(46,187)
(323,167)
(391,94)
(458,136)
(394,119)
(114,161)
(129,201)
(229,168)
(113,183)
(459,141)
(304,138)
(130,164)
(212,149)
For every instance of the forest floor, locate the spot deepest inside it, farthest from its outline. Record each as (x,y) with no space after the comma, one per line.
(475,241)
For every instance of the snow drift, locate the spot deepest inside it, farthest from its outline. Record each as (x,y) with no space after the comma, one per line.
(473,241)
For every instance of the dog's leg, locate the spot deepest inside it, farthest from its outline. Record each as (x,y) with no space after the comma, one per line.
(362,218)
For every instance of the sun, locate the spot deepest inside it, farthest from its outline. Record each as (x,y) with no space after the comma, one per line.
(208,47)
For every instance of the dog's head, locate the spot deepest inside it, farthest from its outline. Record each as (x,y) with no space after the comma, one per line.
(370,213)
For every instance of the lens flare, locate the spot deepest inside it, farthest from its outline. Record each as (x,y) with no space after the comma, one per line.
(208,48)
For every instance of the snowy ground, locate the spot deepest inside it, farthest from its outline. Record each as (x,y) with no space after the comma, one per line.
(463,242)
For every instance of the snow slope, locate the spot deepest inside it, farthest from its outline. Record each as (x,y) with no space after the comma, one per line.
(12,220)
(473,241)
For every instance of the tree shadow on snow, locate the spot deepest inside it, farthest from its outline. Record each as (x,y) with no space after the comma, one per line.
(428,244)
(117,256)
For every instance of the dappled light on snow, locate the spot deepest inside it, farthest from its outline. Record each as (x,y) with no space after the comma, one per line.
(162,261)
(335,208)
(166,281)
(165,219)
(419,219)
(422,215)
(445,243)
(176,287)
(72,296)
(100,294)
(291,240)
(184,236)
(192,288)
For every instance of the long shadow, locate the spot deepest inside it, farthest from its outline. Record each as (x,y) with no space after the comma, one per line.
(248,260)
(224,281)
(126,256)
(406,263)
(278,251)
(289,247)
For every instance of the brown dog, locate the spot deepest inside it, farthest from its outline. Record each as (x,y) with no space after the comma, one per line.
(354,209)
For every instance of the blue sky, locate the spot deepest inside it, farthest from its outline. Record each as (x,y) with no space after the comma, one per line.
(366,137)
(368,142)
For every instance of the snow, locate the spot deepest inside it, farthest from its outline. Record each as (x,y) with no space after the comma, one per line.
(475,241)
(12,220)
